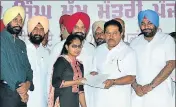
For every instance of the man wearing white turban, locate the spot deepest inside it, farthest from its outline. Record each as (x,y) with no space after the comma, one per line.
(16,73)
(156,61)
(98,32)
(38,55)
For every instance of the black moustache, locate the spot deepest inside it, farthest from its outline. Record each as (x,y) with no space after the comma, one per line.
(146,30)
(36,39)
(14,30)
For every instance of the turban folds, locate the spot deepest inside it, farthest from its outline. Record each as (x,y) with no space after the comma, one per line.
(75,18)
(63,19)
(151,15)
(12,12)
(1,25)
(96,25)
(32,23)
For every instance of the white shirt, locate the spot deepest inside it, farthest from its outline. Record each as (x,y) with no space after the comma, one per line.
(117,62)
(38,58)
(152,57)
(86,57)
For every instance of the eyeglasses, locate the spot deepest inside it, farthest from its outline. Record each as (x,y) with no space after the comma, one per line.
(76,46)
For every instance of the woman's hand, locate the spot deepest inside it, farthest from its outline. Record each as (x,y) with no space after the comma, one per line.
(80,81)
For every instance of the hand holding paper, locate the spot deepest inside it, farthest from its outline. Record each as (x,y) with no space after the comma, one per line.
(96,80)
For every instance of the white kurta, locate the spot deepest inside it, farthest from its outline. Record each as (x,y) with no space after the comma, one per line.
(152,57)
(86,57)
(38,58)
(117,62)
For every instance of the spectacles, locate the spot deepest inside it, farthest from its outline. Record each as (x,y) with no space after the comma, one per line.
(76,46)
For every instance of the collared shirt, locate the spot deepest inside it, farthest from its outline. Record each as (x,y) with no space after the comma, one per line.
(15,66)
(118,62)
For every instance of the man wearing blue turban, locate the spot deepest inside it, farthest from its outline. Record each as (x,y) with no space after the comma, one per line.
(156,61)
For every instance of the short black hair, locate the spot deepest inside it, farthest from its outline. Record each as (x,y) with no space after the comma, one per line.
(114,23)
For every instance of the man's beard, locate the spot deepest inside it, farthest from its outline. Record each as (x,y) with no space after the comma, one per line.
(100,41)
(14,30)
(151,33)
(81,34)
(36,39)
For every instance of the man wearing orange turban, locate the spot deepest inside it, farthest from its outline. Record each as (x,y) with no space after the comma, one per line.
(16,73)
(38,27)
(79,24)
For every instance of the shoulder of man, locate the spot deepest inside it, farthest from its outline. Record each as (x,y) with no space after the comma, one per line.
(4,34)
(57,47)
(88,47)
(166,38)
(125,51)
(22,43)
(135,41)
(100,48)
(88,44)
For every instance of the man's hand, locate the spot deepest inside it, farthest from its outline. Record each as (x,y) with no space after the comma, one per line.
(108,83)
(94,73)
(24,87)
(147,88)
(139,90)
(24,97)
